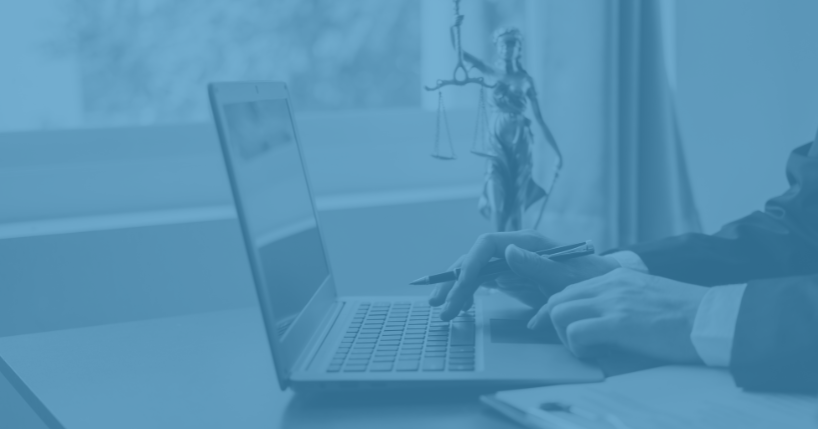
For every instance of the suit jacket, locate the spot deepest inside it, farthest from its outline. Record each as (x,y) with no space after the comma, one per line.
(775,252)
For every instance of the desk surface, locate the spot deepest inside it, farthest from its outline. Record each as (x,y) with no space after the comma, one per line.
(211,370)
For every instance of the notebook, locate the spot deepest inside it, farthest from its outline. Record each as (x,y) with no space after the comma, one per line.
(670,397)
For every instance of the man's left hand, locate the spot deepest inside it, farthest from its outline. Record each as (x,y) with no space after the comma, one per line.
(626,310)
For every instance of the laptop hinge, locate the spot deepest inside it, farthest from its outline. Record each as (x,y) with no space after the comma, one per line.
(315,343)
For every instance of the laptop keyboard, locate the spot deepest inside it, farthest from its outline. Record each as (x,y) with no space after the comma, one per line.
(405,337)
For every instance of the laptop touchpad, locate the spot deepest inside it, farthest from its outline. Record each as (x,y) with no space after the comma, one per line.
(514,331)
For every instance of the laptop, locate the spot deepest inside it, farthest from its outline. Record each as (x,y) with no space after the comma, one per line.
(322,341)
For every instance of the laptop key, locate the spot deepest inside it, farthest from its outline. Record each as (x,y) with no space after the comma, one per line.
(434,364)
(334,368)
(407,366)
(381,366)
(355,368)
(358,358)
(461,358)
(405,358)
(462,334)
(454,367)
(384,359)
(435,354)
(461,355)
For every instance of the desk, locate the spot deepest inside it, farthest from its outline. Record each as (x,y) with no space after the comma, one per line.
(210,370)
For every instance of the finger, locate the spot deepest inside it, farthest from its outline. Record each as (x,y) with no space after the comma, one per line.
(530,265)
(440,291)
(563,315)
(583,290)
(469,303)
(589,337)
(540,318)
(486,247)
(481,252)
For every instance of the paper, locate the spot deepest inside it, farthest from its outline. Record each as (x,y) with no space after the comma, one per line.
(671,397)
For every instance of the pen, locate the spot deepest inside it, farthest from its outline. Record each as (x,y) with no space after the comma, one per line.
(562,253)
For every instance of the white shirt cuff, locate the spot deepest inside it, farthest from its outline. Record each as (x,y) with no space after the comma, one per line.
(629,260)
(715,324)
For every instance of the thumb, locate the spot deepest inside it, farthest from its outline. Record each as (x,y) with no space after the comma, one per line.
(529,265)
(543,314)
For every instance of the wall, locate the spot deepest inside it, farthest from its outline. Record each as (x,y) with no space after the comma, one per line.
(748,94)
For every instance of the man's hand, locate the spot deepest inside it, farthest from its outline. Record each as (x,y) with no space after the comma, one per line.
(533,279)
(626,310)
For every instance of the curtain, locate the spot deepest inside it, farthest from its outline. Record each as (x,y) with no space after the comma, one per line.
(605,71)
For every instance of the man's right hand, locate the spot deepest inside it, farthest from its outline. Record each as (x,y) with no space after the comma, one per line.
(532,276)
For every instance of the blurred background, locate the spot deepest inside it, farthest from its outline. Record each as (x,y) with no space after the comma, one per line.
(114,205)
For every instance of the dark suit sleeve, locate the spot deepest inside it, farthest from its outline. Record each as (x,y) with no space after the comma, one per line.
(781,241)
(775,346)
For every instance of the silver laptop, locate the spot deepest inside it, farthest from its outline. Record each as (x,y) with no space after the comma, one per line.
(321,340)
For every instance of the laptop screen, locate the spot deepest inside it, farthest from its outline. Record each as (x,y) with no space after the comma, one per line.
(273,197)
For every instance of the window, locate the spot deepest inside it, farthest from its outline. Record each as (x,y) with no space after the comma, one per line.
(145,62)
(137,69)
(148,61)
